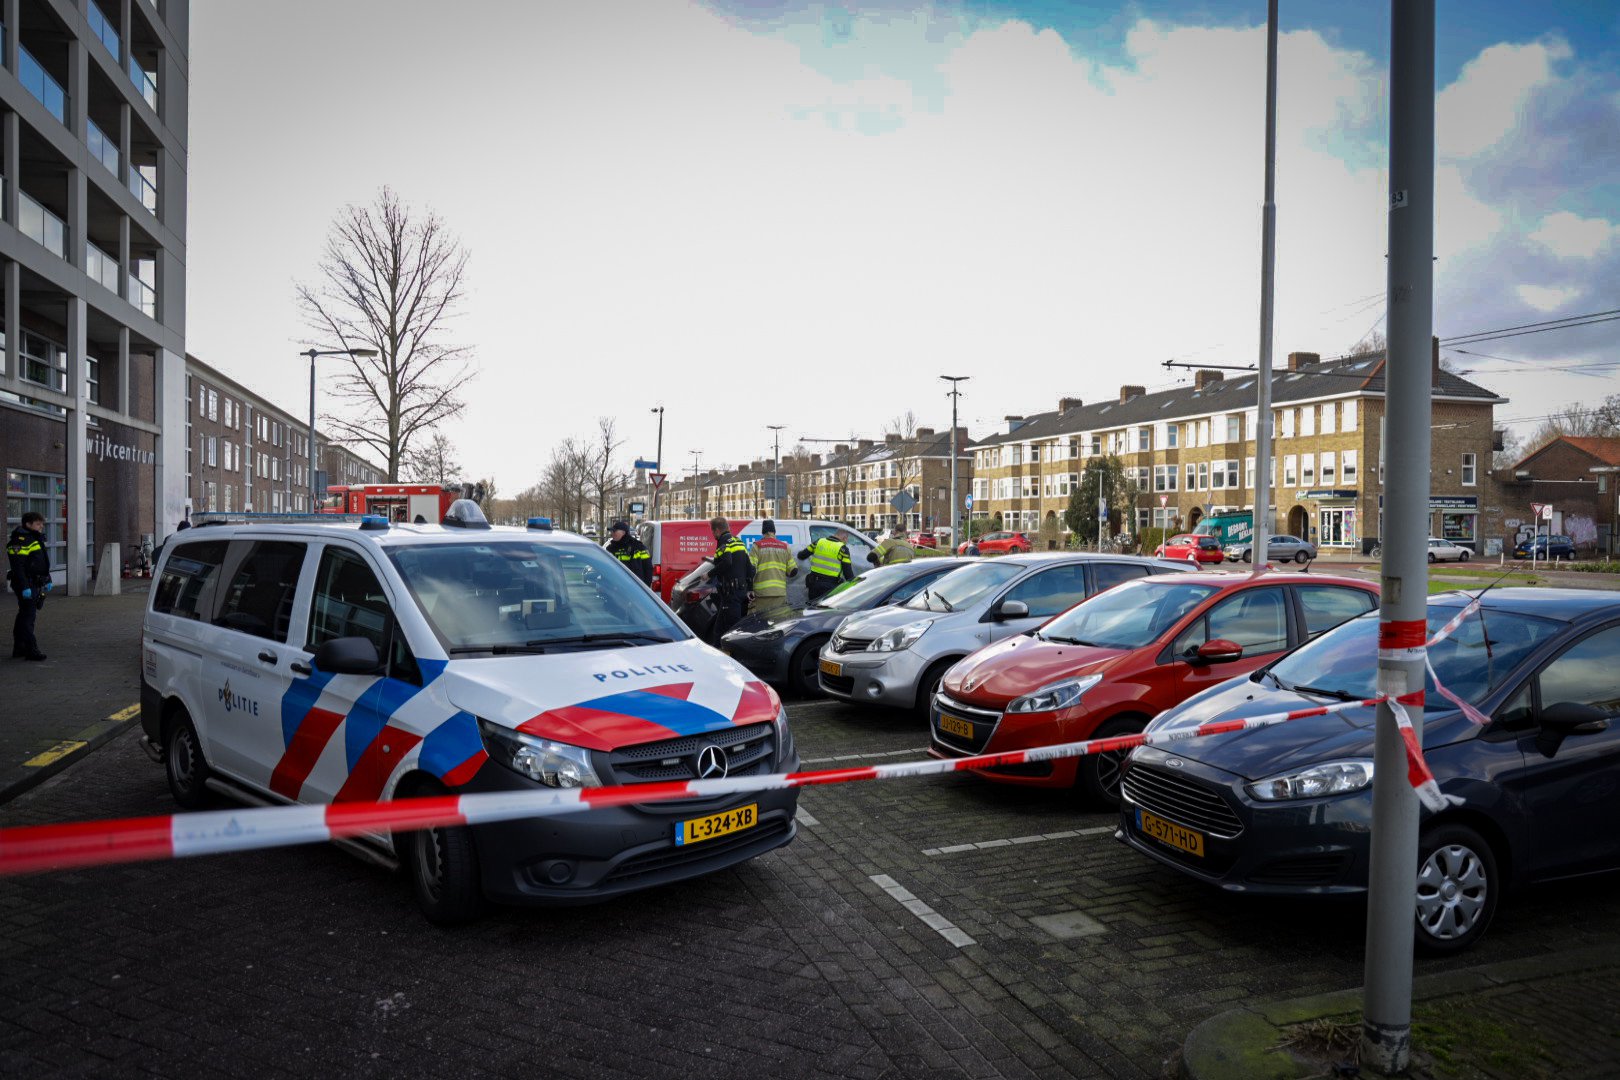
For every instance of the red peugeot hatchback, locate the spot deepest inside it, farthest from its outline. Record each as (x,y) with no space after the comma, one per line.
(1109,665)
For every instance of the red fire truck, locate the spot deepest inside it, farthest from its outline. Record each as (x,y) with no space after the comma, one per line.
(396,502)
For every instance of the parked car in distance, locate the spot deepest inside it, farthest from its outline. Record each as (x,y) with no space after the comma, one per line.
(998,543)
(1192,548)
(1287,809)
(1283,548)
(896,656)
(785,648)
(1446,551)
(1546,547)
(922,538)
(1109,665)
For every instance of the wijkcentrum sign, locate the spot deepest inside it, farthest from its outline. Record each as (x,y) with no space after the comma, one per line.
(102,448)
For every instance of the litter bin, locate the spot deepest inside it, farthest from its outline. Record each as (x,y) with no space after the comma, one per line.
(1368,543)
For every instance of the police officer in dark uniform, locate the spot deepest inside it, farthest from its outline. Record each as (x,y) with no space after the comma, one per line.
(733,577)
(624,546)
(30,576)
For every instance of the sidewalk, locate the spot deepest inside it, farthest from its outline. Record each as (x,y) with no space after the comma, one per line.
(1539,1017)
(53,712)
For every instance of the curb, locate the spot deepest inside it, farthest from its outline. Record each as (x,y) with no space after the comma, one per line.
(1242,1043)
(41,767)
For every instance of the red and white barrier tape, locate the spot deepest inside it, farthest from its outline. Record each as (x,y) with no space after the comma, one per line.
(91,843)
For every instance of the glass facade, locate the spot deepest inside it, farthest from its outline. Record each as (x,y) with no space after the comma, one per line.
(46,494)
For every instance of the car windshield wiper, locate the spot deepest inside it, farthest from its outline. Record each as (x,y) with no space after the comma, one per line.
(598,639)
(928,595)
(1069,641)
(492,647)
(1342,695)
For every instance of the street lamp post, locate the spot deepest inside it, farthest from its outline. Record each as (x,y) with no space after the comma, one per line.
(776,466)
(956,500)
(309,451)
(659,458)
(697,482)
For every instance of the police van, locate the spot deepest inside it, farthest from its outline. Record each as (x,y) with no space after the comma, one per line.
(294,659)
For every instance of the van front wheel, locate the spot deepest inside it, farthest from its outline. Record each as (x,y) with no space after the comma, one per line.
(183,763)
(443,867)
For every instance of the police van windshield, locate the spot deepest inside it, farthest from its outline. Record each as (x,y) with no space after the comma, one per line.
(516,596)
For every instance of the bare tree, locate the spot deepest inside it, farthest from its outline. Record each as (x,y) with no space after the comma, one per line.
(1373,344)
(603,478)
(1512,451)
(907,456)
(1577,419)
(393,282)
(434,462)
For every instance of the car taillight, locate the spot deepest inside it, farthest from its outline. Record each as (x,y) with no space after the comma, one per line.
(694,597)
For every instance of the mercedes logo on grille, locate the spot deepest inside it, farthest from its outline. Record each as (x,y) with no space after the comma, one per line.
(711,763)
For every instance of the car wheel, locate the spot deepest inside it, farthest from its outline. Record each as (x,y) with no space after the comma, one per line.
(1248,556)
(1301,558)
(443,867)
(184,764)
(802,669)
(1098,775)
(1464,556)
(1457,888)
(928,686)
(1431,556)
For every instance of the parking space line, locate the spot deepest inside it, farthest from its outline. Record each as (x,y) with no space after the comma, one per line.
(931,918)
(872,754)
(55,753)
(805,817)
(982,845)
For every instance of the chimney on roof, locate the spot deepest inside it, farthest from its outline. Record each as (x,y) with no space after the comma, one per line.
(925,432)
(1128,392)
(892,438)
(1434,361)
(841,448)
(1297,360)
(1067,403)
(962,439)
(1204,378)
(864,444)
(815,460)
(1013,423)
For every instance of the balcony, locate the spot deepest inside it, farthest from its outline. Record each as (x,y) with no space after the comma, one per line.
(143,296)
(41,226)
(37,81)
(145,84)
(142,187)
(102,28)
(103,148)
(101,267)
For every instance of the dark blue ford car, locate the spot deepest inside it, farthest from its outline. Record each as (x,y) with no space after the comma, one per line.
(1288,808)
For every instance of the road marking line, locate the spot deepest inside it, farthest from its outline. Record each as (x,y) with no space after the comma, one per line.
(982,845)
(126,712)
(873,754)
(931,918)
(805,817)
(55,753)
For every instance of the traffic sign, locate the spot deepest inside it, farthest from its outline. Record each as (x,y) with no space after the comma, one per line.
(1546,512)
(638,508)
(805,509)
(968,502)
(903,501)
(640,464)
(657,479)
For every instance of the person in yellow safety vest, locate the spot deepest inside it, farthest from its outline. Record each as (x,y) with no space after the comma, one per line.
(829,564)
(892,550)
(773,565)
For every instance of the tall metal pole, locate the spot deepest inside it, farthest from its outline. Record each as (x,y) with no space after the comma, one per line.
(1260,538)
(660,459)
(310,456)
(956,382)
(1386,1022)
(776,466)
(697,482)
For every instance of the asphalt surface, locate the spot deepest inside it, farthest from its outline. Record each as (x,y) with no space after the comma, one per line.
(863,949)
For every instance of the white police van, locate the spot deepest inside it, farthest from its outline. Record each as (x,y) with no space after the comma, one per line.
(317,659)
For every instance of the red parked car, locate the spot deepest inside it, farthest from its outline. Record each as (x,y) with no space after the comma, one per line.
(999,543)
(1110,664)
(1193,548)
(922,538)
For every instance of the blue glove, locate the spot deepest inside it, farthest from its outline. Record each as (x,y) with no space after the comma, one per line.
(28,594)
(49,585)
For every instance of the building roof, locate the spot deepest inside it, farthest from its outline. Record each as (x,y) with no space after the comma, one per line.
(1363,376)
(1606,450)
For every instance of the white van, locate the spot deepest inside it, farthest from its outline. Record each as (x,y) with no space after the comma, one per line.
(678,547)
(311,660)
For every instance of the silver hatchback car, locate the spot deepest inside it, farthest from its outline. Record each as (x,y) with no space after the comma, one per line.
(896,656)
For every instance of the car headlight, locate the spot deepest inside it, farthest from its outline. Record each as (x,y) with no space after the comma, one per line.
(1328,778)
(553,764)
(1058,696)
(901,637)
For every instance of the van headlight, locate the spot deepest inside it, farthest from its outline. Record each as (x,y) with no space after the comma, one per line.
(901,637)
(1328,778)
(551,763)
(1056,697)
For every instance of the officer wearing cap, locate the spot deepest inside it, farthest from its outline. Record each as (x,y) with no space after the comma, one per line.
(29,572)
(733,577)
(624,546)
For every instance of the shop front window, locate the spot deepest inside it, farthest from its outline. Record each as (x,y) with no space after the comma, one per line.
(1336,527)
(1459,528)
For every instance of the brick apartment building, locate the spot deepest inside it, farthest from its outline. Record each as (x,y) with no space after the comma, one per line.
(1190,452)
(1578,477)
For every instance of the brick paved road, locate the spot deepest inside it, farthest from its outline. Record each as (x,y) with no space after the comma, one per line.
(305,962)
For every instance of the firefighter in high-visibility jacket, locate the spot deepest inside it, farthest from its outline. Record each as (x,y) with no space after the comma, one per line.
(829,564)
(892,550)
(773,565)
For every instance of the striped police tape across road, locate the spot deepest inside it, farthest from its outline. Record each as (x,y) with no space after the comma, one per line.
(91,843)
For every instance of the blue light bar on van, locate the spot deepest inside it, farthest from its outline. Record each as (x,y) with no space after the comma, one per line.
(540,523)
(374,523)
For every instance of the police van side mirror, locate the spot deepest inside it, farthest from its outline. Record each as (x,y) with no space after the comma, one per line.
(348,656)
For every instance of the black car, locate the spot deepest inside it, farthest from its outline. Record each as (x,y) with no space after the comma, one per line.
(783,648)
(1288,808)
(1545,547)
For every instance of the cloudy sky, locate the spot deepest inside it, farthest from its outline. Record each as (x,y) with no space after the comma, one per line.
(758,212)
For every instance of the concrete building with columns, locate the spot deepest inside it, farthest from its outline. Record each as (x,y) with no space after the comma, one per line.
(93,121)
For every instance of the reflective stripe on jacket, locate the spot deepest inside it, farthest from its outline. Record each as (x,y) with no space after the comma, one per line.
(773,565)
(894,550)
(829,558)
